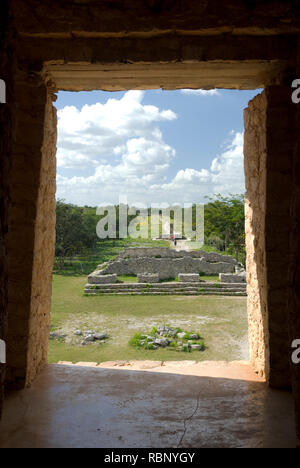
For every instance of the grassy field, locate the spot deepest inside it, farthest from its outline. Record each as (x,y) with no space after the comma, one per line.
(221,321)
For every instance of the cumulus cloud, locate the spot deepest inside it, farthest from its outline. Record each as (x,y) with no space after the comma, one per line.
(102,132)
(117,148)
(201,92)
(228,168)
(226,175)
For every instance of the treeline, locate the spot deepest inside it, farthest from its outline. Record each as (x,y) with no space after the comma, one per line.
(223,218)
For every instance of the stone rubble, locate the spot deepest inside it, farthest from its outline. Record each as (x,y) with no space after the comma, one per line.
(170,337)
(88,336)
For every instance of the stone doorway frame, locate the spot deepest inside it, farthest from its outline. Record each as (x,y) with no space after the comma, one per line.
(241,45)
(33,198)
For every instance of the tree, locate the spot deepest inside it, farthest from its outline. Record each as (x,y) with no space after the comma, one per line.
(225,220)
(75,231)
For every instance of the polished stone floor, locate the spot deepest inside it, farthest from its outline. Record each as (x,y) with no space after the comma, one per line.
(144,404)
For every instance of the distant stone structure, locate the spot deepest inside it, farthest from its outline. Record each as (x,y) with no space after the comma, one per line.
(153,266)
(165,252)
(166,263)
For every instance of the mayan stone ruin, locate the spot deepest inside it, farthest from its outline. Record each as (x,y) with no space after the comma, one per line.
(167,271)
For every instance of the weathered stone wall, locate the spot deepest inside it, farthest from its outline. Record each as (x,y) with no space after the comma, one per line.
(164,252)
(44,247)
(255,152)
(166,267)
(7,125)
(268,150)
(31,233)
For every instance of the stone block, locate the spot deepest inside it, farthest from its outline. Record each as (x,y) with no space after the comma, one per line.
(189,277)
(97,278)
(228,278)
(148,278)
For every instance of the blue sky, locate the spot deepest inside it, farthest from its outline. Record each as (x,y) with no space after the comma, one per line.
(151,146)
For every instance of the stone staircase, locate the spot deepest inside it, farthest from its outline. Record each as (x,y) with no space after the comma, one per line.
(168,288)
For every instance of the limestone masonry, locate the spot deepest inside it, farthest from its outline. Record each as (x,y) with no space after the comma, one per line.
(148,278)
(167,263)
(97,278)
(228,278)
(188,278)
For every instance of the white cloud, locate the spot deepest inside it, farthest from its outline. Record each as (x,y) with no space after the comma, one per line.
(226,175)
(201,92)
(100,132)
(117,148)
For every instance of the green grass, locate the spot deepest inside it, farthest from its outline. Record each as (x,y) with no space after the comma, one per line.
(127,278)
(221,321)
(211,278)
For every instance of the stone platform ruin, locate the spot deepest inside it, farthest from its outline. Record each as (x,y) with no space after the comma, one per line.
(167,263)
(155,269)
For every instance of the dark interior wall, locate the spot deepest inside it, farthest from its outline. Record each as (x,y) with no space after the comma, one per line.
(7,60)
(294,271)
(69,17)
(280,141)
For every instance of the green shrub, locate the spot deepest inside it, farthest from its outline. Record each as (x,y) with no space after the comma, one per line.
(188,335)
(148,346)
(202,344)
(136,340)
